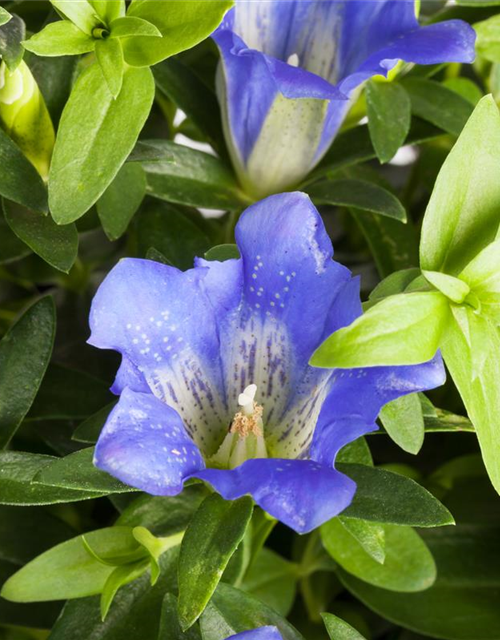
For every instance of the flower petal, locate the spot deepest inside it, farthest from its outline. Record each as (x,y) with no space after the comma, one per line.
(128,375)
(161,320)
(302,494)
(261,633)
(144,444)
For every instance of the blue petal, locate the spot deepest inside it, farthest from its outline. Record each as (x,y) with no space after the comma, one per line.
(262,633)
(128,375)
(302,494)
(161,320)
(357,396)
(145,445)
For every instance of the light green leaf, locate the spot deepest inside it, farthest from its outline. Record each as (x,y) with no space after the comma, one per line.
(183,24)
(387,497)
(389,117)
(404,422)
(394,283)
(77,471)
(460,222)
(370,535)
(5,16)
(358,194)
(454,289)
(212,537)
(339,629)
(488,38)
(408,564)
(109,10)
(104,131)
(129,26)
(12,33)
(399,330)
(25,352)
(477,383)
(58,246)
(119,577)
(81,13)
(117,205)
(68,570)
(482,275)
(60,38)
(110,57)
(232,611)
(176,173)
(437,104)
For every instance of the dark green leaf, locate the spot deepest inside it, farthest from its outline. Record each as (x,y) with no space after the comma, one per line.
(395,283)
(12,34)
(170,628)
(211,539)
(389,117)
(121,200)
(403,420)
(25,352)
(383,496)
(358,194)
(88,431)
(104,131)
(437,104)
(58,246)
(223,252)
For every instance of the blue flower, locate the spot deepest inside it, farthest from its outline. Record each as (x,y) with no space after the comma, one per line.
(215,383)
(291,68)
(261,633)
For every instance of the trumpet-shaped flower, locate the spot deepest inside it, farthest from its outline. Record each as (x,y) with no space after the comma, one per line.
(290,69)
(215,382)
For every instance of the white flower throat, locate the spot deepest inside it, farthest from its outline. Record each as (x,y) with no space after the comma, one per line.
(245,439)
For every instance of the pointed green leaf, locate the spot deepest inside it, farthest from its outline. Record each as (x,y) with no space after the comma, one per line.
(461,221)
(119,577)
(81,13)
(482,275)
(339,629)
(104,131)
(370,535)
(60,38)
(117,205)
(110,57)
(453,288)
(211,539)
(5,16)
(129,26)
(389,117)
(404,422)
(399,330)
(109,10)
(25,352)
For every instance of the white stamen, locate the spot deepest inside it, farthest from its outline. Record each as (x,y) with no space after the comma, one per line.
(246,399)
(293,60)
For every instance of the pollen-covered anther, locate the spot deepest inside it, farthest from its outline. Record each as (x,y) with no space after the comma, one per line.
(244,424)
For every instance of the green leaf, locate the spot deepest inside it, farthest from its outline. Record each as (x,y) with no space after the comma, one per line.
(211,539)
(25,352)
(119,577)
(399,330)
(12,33)
(104,131)
(482,275)
(389,117)
(477,383)
(394,283)
(109,54)
(19,180)
(460,222)
(358,194)
(404,422)
(5,16)
(339,629)
(129,26)
(273,580)
(384,496)
(183,24)
(81,13)
(223,252)
(454,289)
(117,205)
(185,89)
(488,38)
(437,104)
(109,10)
(232,611)
(135,614)
(11,248)
(77,471)
(166,515)
(463,602)
(58,246)
(88,431)
(169,626)
(408,564)
(370,535)
(60,38)
(171,232)
(189,177)
(69,570)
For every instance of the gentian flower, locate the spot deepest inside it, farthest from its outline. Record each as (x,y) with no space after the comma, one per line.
(291,68)
(215,382)
(261,633)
